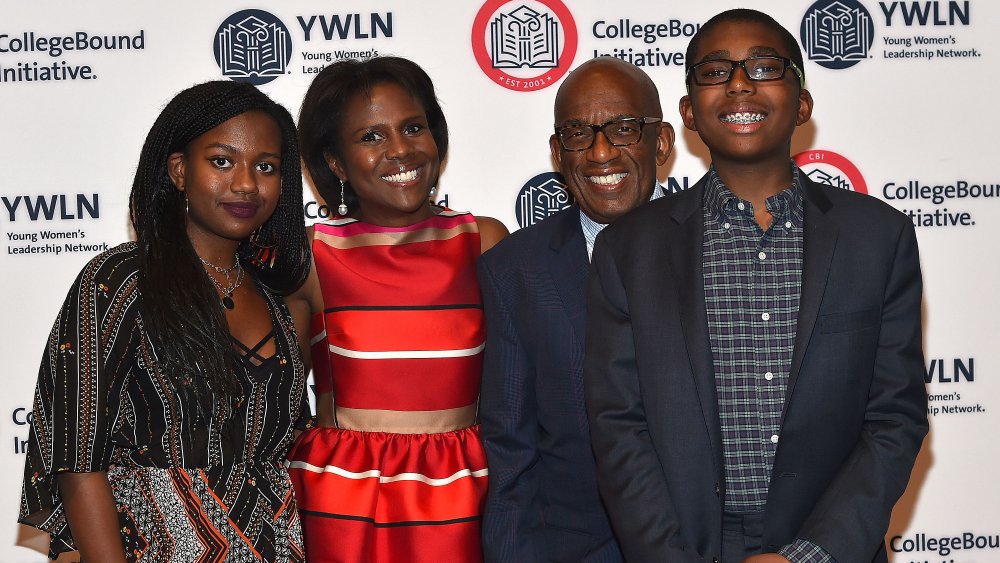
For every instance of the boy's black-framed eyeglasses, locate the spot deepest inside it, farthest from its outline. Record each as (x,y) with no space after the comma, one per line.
(758,69)
(620,132)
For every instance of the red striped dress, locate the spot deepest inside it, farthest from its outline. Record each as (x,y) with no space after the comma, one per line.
(403,476)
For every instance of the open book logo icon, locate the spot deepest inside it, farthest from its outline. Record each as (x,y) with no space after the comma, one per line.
(253,46)
(837,34)
(524,45)
(524,37)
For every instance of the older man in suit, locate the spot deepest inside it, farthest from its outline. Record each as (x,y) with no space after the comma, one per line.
(543,503)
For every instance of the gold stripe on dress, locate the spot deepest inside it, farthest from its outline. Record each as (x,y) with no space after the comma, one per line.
(392,239)
(406,422)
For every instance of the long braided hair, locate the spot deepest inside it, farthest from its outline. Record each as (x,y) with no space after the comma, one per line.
(179,303)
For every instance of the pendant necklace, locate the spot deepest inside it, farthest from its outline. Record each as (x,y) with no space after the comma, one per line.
(231,285)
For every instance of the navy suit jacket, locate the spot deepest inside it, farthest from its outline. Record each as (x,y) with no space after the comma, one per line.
(543,503)
(855,407)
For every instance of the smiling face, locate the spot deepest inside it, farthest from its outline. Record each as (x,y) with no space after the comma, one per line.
(231,176)
(608,181)
(388,155)
(745,121)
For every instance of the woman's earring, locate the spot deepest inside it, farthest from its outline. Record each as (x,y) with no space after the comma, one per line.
(264,252)
(433,191)
(342,209)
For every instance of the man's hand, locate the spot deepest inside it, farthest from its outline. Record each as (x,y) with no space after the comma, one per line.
(766,558)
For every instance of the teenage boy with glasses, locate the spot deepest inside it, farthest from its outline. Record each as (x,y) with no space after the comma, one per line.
(754,369)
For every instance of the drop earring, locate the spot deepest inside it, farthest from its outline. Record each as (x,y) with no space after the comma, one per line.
(342,209)
(264,252)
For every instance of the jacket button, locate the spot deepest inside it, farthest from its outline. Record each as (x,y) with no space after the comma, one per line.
(717,489)
(715,560)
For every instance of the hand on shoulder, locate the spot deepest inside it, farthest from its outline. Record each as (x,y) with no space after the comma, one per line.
(765,558)
(491,232)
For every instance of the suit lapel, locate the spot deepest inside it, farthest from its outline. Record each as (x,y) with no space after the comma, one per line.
(685,267)
(820,240)
(567,263)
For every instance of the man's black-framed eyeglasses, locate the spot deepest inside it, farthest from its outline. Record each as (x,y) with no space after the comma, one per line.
(758,69)
(620,132)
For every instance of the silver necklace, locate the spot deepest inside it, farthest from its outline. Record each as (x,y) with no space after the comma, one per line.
(231,285)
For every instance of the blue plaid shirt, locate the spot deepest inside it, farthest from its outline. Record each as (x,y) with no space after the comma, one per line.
(752,281)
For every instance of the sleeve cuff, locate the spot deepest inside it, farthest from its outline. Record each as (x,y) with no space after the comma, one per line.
(805,551)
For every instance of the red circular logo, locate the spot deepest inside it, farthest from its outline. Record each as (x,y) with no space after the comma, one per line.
(524,45)
(828,167)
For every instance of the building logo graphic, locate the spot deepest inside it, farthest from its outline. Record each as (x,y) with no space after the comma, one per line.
(541,196)
(832,169)
(524,45)
(837,34)
(253,46)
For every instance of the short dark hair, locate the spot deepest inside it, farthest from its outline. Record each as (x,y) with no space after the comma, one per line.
(178,301)
(322,115)
(750,16)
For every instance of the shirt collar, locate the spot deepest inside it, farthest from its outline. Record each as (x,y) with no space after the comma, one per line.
(592,228)
(784,206)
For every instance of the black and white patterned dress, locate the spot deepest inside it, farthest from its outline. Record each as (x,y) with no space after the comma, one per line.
(188,487)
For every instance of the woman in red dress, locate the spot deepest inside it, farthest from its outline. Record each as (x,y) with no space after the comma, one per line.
(396,471)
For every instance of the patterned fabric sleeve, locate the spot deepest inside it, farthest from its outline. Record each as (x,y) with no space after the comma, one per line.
(83,371)
(804,551)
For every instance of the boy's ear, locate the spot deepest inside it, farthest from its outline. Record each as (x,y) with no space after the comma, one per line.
(664,142)
(687,113)
(805,107)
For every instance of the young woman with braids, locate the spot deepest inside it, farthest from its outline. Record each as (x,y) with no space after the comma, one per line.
(396,472)
(172,377)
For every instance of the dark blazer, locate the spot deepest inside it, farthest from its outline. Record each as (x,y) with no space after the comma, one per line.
(543,503)
(855,408)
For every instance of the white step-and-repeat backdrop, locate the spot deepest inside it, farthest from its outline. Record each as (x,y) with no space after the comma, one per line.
(906,111)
